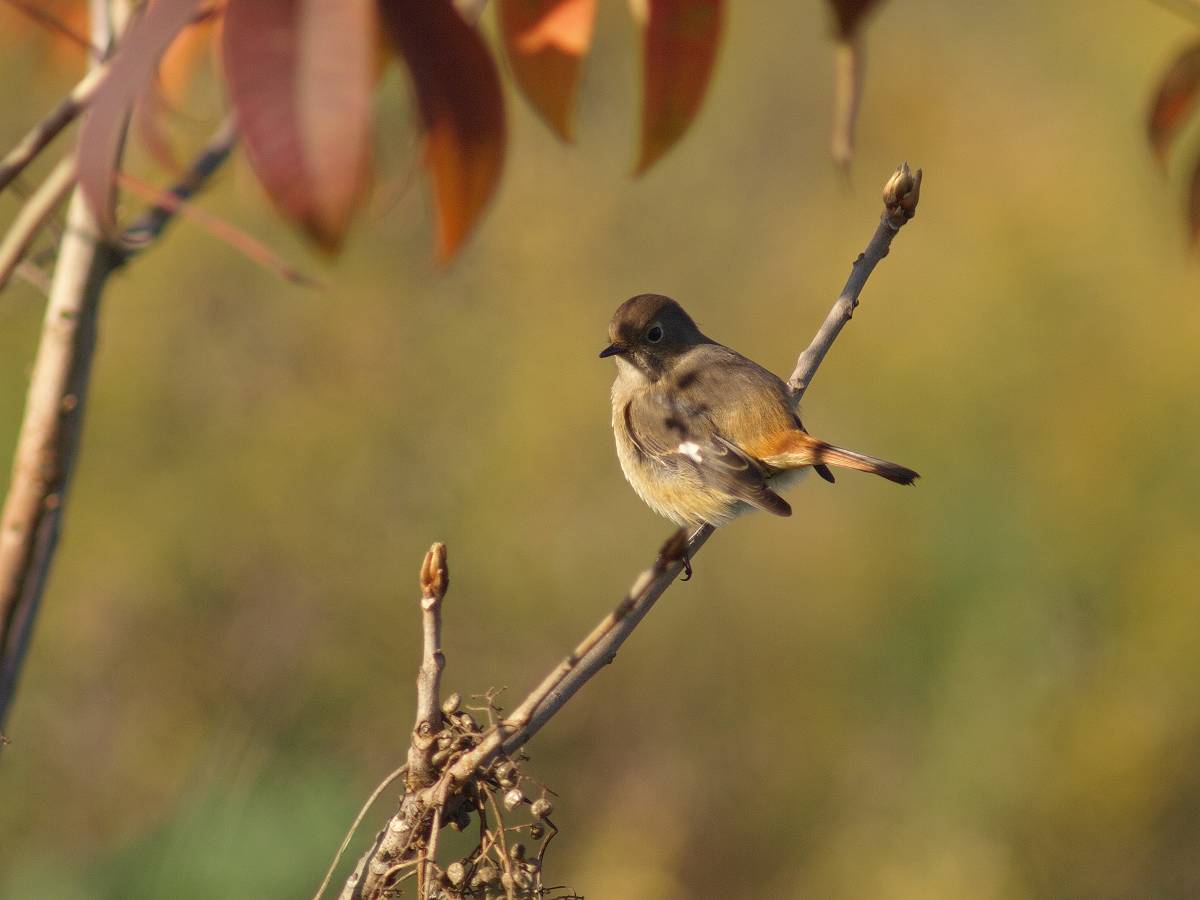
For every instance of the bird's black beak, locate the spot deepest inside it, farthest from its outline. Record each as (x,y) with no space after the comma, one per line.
(611,350)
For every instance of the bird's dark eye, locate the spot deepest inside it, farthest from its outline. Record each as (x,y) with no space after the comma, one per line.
(654,335)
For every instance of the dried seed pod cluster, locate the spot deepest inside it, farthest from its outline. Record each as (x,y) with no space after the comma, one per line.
(514,827)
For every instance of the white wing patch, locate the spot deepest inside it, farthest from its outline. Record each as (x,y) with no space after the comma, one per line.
(691,450)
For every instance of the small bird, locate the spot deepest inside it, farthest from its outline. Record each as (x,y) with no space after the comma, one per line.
(703,433)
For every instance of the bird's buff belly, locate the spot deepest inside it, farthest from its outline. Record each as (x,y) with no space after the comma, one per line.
(677,494)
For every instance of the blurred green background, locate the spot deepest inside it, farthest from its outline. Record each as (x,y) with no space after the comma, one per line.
(987,686)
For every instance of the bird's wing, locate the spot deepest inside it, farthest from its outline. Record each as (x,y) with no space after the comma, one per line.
(681,436)
(748,405)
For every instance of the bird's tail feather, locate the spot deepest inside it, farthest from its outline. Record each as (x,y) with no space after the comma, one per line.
(836,456)
(803,449)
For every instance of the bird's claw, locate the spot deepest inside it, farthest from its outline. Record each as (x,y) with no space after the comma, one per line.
(687,568)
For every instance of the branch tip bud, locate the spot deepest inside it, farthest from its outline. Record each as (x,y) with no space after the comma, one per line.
(900,195)
(435,576)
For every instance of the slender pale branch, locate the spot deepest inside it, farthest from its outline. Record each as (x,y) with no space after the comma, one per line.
(48,128)
(599,647)
(595,651)
(49,437)
(900,196)
(435,579)
(410,826)
(53,418)
(34,215)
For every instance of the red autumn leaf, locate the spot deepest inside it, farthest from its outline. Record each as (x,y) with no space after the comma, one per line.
(130,72)
(462,110)
(300,75)
(1174,101)
(679,48)
(545,41)
(849,15)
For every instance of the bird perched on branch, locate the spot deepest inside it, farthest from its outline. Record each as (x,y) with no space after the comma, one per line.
(703,433)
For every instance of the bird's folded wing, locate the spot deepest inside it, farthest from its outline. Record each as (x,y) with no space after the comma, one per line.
(682,438)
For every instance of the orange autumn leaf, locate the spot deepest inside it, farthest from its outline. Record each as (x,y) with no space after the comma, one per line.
(183,57)
(679,48)
(545,41)
(461,106)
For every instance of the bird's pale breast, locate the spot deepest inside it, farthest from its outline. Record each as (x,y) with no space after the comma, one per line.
(674,493)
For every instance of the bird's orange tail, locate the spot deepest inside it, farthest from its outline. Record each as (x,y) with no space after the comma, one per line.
(803,449)
(836,456)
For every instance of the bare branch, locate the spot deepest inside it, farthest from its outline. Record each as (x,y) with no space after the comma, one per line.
(406,830)
(900,196)
(435,579)
(594,652)
(53,419)
(34,215)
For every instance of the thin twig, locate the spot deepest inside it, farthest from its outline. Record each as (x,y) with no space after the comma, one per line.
(34,215)
(48,128)
(371,872)
(151,224)
(429,857)
(594,652)
(900,196)
(167,204)
(435,579)
(362,814)
(505,859)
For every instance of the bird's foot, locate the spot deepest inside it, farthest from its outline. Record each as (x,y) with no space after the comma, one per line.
(687,567)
